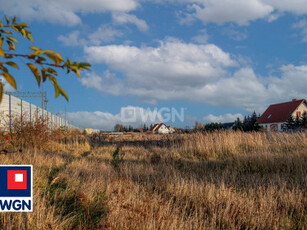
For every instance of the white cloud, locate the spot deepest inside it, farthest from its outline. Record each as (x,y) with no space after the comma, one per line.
(72,39)
(241,12)
(302,24)
(103,34)
(63,11)
(129,115)
(67,12)
(228,117)
(238,11)
(298,7)
(108,83)
(237,35)
(200,73)
(124,18)
(202,37)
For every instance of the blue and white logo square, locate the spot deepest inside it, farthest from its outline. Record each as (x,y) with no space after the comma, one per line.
(16,188)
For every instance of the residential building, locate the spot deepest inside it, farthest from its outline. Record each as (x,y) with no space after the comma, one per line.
(160,128)
(275,117)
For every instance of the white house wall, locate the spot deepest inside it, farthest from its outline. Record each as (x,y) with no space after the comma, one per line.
(301,108)
(267,126)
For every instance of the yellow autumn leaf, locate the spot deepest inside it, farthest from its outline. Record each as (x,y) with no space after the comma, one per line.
(8,77)
(35,72)
(13,64)
(54,56)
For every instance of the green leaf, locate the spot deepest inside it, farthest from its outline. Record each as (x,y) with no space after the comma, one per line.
(8,77)
(54,56)
(13,64)
(7,19)
(35,72)
(1,92)
(12,39)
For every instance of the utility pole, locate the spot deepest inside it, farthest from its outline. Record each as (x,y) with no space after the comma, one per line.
(65,120)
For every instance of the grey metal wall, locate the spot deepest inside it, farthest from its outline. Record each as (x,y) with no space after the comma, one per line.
(15,108)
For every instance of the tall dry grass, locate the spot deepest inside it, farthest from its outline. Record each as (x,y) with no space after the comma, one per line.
(223,180)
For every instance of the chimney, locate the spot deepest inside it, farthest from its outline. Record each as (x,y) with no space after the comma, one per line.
(295,99)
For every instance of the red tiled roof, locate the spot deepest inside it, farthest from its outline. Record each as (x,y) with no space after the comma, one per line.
(279,112)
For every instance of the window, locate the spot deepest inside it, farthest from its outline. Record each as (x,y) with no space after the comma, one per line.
(298,113)
(269,116)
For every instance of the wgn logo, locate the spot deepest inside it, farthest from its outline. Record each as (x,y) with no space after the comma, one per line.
(16,188)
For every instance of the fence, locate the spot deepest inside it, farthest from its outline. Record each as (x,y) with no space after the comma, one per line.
(12,107)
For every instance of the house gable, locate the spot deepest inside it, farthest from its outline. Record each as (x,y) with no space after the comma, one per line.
(278,113)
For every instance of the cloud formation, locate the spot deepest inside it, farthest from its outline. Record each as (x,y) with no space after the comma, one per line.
(241,12)
(199,73)
(64,11)
(103,34)
(302,25)
(228,117)
(124,18)
(129,115)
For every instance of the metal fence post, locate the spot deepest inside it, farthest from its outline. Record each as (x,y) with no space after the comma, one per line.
(30,113)
(21,111)
(10,113)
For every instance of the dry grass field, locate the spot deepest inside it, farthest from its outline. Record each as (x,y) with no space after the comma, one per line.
(222,180)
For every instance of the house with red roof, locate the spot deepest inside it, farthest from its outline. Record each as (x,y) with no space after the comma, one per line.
(275,117)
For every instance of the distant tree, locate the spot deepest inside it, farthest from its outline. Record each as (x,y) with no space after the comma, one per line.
(213,126)
(304,120)
(42,63)
(290,123)
(249,123)
(238,125)
(118,128)
(297,122)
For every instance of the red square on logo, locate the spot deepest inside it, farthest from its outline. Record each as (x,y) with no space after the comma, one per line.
(17,179)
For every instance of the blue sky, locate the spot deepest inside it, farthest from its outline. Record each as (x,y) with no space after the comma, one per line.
(216,59)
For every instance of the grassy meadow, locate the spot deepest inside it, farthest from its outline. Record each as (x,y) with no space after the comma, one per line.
(221,180)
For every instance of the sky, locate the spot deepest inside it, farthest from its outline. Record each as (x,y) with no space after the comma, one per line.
(177,61)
